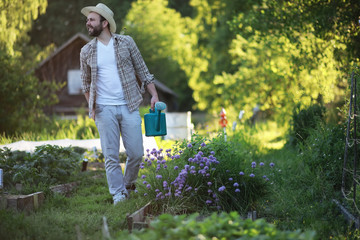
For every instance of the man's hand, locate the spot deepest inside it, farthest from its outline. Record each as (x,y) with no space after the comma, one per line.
(154,99)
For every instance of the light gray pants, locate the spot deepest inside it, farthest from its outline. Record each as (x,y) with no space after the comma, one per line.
(111,121)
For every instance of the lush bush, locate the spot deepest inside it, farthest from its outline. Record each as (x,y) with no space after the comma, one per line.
(304,120)
(204,175)
(22,96)
(217,226)
(47,166)
(323,152)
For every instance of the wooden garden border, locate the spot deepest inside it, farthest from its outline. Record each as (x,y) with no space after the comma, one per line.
(34,200)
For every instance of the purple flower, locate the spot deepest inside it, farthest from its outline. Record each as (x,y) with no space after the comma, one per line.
(143,176)
(145,182)
(262,164)
(157,190)
(203,144)
(165,184)
(241,173)
(176,168)
(236,184)
(272,164)
(145,194)
(222,188)
(209,191)
(208,202)
(148,186)
(230,179)
(253,164)
(264,177)
(209,183)
(189,145)
(237,190)
(212,153)
(252,175)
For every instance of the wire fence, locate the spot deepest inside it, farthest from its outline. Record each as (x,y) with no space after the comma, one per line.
(351,175)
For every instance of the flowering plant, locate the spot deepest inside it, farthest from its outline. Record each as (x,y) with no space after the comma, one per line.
(200,175)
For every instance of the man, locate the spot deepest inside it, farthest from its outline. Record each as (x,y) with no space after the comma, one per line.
(112,69)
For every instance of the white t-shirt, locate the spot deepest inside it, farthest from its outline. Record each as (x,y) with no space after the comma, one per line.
(109,89)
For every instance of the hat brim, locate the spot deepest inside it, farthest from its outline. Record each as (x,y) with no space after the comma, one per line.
(87,10)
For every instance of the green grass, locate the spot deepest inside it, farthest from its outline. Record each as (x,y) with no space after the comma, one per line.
(60,216)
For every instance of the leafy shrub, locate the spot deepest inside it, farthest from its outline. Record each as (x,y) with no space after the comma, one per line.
(217,226)
(48,165)
(203,175)
(22,95)
(304,120)
(323,151)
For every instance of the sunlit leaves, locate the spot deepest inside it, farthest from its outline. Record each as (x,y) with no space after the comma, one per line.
(16,18)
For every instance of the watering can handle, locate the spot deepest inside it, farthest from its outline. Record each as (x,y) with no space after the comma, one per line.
(159,106)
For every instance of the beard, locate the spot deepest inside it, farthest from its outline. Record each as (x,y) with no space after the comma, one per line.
(95,31)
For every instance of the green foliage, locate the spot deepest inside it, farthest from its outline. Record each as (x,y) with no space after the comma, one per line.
(323,152)
(16,20)
(302,197)
(47,166)
(215,226)
(304,120)
(22,96)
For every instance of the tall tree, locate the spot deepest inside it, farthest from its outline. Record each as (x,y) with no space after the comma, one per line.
(16,17)
(270,57)
(168,45)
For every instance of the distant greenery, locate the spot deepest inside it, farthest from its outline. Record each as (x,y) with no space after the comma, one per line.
(303,121)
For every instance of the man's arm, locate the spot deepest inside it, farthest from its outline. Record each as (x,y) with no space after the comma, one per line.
(154,96)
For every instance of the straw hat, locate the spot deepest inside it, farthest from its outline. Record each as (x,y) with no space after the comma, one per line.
(104,11)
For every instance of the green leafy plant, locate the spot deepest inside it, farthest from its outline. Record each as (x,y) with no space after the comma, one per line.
(323,152)
(203,175)
(216,226)
(48,165)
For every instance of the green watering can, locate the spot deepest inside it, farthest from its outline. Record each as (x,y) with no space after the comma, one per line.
(155,121)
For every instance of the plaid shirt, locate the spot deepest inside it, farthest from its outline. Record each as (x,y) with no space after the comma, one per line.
(131,69)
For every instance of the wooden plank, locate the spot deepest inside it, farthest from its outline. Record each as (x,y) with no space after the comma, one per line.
(24,202)
(137,220)
(64,188)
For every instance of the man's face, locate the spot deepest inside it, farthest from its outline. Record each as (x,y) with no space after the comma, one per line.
(93,24)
